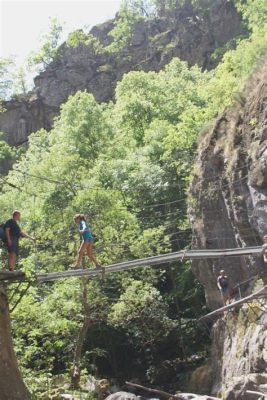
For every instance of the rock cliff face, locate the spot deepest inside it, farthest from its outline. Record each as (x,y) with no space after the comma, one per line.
(193,35)
(229,209)
(239,353)
(229,188)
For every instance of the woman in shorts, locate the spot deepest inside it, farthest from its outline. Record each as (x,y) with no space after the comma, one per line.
(87,242)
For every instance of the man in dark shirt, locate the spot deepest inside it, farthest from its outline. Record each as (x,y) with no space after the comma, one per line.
(12,235)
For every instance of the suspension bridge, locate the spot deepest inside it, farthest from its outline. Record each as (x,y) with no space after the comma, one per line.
(161,259)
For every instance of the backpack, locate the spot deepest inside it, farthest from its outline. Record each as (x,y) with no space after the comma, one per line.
(2,232)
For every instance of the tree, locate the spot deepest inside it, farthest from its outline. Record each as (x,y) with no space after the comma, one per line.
(123,28)
(5,77)
(49,49)
(7,155)
(20,84)
(126,165)
(144,8)
(11,383)
(95,308)
(142,311)
(253,11)
(79,38)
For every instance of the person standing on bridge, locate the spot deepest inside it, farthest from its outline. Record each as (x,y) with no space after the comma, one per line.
(12,235)
(223,286)
(87,242)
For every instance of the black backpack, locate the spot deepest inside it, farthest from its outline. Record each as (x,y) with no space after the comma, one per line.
(2,232)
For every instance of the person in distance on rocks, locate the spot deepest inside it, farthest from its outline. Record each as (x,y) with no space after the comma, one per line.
(12,235)
(223,286)
(264,249)
(87,242)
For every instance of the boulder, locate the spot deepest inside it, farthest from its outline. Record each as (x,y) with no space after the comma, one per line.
(123,396)
(239,387)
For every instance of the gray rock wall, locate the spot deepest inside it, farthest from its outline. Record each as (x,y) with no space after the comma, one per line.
(239,353)
(191,36)
(229,209)
(229,189)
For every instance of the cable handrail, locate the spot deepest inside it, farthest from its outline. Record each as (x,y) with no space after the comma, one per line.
(260,293)
(151,261)
(132,264)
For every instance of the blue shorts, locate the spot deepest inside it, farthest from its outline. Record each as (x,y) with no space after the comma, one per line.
(88,240)
(225,289)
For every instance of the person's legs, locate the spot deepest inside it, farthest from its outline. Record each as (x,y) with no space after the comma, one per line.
(80,254)
(12,261)
(222,297)
(13,251)
(226,296)
(89,250)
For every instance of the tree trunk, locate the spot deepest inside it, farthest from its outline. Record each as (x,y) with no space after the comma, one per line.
(76,371)
(11,384)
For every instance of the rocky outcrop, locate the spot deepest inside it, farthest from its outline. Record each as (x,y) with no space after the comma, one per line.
(229,209)
(123,396)
(180,396)
(229,189)
(239,353)
(191,34)
(25,116)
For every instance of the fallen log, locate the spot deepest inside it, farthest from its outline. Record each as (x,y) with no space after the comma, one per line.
(155,391)
(180,396)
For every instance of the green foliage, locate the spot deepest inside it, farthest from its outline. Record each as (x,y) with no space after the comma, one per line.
(230,75)
(5,77)
(7,155)
(144,8)
(78,38)
(253,11)
(123,29)
(20,83)
(49,49)
(153,114)
(126,165)
(142,311)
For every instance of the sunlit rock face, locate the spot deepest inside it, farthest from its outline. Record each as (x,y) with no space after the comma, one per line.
(229,189)
(191,35)
(228,208)
(238,361)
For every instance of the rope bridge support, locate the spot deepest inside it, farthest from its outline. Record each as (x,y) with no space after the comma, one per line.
(260,293)
(11,276)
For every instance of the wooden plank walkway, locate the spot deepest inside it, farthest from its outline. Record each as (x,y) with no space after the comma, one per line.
(143,262)
(11,276)
(152,261)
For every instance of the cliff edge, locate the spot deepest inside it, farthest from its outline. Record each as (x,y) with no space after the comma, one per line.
(229,209)
(192,34)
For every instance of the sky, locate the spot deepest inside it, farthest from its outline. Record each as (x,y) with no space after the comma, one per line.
(22,23)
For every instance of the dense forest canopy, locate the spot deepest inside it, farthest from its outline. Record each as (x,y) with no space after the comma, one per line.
(126,165)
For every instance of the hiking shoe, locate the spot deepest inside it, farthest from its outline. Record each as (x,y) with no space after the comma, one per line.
(75,266)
